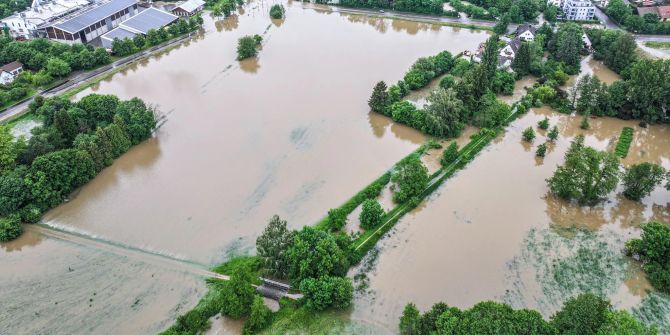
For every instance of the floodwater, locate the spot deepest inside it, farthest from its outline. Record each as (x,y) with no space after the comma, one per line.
(596,68)
(492,232)
(288,132)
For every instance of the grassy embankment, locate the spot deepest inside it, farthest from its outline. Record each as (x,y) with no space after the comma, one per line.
(657,45)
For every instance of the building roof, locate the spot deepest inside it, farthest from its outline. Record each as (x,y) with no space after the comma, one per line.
(515,44)
(644,10)
(525,27)
(118,32)
(151,18)
(41,12)
(87,17)
(191,5)
(664,12)
(11,66)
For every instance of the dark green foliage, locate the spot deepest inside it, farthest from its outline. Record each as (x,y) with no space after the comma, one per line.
(247,47)
(593,97)
(543,124)
(528,134)
(653,250)
(410,179)
(410,320)
(10,227)
(272,246)
(473,11)
(8,150)
(314,254)
(450,154)
(238,294)
(277,11)
(379,100)
(640,179)
(58,67)
(136,119)
(447,81)
(648,88)
(427,68)
(327,292)
(582,315)
(553,134)
(124,47)
(13,191)
(623,145)
(371,215)
(30,214)
(587,175)
(492,112)
(522,60)
(503,82)
(567,44)
(337,219)
(8,8)
(541,150)
(444,114)
(259,317)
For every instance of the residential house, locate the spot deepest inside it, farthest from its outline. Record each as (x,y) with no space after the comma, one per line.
(189,8)
(579,10)
(526,32)
(8,72)
(663,12)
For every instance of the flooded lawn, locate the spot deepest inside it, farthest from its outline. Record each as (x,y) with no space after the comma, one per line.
(287,133)
(493,232)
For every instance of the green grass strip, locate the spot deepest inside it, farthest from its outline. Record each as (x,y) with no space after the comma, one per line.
(623,145)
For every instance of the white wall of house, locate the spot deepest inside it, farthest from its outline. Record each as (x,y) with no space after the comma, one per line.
(579,10)
(527,36)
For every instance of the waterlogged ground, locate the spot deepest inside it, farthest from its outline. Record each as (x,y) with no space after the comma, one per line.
(493,232)
(286,133)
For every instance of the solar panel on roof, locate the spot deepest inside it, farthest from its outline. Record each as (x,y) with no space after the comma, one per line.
(151,18)
(97,14)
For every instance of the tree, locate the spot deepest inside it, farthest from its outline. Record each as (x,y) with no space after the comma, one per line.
(379,100)
(587,174)
(618,10)
(585,122)
(621,53)
(272,247)
(238,294)
(277,11)
(522,60)
(623,323)
(501,26)
(371,215)
(543,124)
(550,13)
(66,126)
(7,150)
(450,154)
(647,89)
(138,120)
(528,134)
(10,228)
(326,292)
(100,108)
(13,191)
(139,41)
(337,219)
(653,250)
(246,47)
(409,321)
(541,150)
(484,74)
(259,317)
(314,254)
(581,315)
(567,45)
(410,179)
(553,134)
(444,114)
(57,67)
(640,179)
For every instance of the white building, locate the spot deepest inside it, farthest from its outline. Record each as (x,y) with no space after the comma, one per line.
(24,24)
(189,8)
(578,10)
(8,72)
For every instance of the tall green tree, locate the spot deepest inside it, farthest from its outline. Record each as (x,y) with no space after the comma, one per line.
(567,45)
(648,89)
(501,26)
(8,152)
(238,294)
(581,315)
(246,47)
(371,214)
(618,10)
(313,254)
(379,100)
(484,74)
(653,250)
(272,247)
(640,179)
(622,53)
(410,179)
(327,292)
(445,114)
(259,317)
(521,62)
(14,193)
(410,319)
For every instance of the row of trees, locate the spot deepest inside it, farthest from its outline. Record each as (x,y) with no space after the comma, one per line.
(223,7)
(585,314)
(517,11)
(625,15)
(589,175)
(413,6)
(127,46)
(75,142)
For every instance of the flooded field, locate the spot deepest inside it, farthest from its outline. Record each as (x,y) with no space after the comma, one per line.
(287,133)
(494,232)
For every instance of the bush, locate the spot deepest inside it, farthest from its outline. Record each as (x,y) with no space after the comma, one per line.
(553,134)
(640,179)
(585,122)
(337,219)
(450,154)
(371,215)
(247,47)
(327,292)
(447,81)
(30,214)
(10,228)
(528,134)
(277,11)
(541,150)
(584,314)
(238,294)
(544,124)
(259,317)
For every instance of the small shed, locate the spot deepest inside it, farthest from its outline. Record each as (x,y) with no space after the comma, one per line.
(189,8)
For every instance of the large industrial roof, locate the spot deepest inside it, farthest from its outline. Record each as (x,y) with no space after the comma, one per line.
(88,17)
(119,33)
(151,18)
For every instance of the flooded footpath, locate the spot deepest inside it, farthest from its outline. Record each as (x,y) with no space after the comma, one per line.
(493,232)
(288,133)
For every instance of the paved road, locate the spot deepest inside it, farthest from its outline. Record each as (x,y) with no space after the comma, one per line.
(82,77)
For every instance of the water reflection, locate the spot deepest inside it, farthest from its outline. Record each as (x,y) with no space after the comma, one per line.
(250,65)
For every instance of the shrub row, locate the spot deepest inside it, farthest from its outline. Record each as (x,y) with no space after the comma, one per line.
(623,144)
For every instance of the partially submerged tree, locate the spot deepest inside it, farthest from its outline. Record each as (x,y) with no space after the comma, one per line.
(410,179)
(640,179)
(371,215)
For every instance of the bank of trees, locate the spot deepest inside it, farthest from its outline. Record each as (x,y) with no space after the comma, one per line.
(584,314)
(516,11)
(247,46)
(433,7)
(77,140)
(625,15)
(127,46)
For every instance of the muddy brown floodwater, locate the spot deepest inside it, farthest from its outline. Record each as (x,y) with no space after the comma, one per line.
(286,133)
(492,232)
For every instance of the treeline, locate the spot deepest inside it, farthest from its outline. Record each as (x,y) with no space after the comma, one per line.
(126,46)
(8,7)
(433,7)
(585,314)
(625,15)
(517,11)
(468,100)
(51,59)
(473,11)
(75,142)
